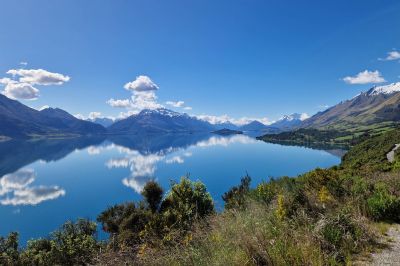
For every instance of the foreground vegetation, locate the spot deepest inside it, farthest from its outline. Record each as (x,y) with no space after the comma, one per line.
(323,217)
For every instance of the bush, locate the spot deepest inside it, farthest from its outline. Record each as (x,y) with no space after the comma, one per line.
(152,192)
(73,244)
(382,205)
(186,202)
(9,249)
(153,220)
(343,235)
(236,196)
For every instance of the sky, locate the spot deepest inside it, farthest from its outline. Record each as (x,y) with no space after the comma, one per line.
(220,59)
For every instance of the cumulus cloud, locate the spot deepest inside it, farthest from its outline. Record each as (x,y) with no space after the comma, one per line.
(16,189)
(38,76)
(141,84)
(119,103)
(365,77)
(24,91)
(144,100)
(392,55)
(144,96)
(22,85)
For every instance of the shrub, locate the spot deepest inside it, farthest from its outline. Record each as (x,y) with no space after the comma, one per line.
(9,249)
(154,221)
(236,196)
(152,192)
(73,244)
(186,202)
(342,235)
(382,205)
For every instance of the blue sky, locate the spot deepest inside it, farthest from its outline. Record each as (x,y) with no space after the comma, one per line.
(245,58)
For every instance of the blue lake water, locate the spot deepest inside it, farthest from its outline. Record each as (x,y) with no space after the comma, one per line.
(43,183)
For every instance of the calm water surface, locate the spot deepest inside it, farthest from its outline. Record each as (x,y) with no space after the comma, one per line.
(44,183)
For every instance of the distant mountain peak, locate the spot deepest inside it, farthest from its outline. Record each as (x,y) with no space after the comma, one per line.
(294,116)
(386,89)
(161,111)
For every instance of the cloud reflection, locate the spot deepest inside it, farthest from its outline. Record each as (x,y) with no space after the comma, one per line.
(16,189)
(143,164)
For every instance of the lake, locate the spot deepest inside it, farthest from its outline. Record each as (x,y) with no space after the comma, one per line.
(46,182)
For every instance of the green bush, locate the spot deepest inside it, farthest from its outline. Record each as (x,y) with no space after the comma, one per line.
(186,202)
(9,249)
(382,205)
(343,235)
(154,219)
(236,196)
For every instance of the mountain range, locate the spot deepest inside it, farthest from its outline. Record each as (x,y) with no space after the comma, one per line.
(378,104)
(21,121)
(159,120)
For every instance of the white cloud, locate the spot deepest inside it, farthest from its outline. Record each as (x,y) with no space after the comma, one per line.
(323,106)
(365,77)
(23,87)
(23,63)
(119,103)
(304,116)
(175,159)
(25,91)
(94,115)
(237,121)
(144,100)
(392,55)
(38,76)
(177,104)
(141,84)
(144,96)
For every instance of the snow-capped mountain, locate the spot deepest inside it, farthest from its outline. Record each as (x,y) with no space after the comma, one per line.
(378,104)
(159,120)
(288,122)
(387,89)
